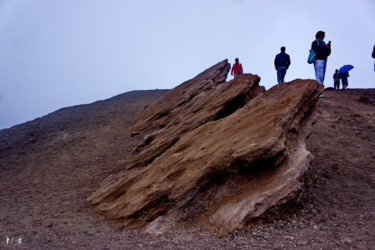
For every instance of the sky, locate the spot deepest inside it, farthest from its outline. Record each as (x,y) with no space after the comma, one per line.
(61,53)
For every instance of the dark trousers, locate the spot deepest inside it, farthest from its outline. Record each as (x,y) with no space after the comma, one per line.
(336,84)
(281,72)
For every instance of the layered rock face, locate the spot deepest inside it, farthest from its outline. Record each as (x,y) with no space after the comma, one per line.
(205,98)
(215,154)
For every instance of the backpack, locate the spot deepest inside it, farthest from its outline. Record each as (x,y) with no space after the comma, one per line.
(311,58)
(312,54)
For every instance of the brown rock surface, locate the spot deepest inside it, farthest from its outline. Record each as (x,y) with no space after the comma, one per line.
(214,155)
(207,97)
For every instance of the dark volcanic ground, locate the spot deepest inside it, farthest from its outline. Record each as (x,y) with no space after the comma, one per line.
(49,167)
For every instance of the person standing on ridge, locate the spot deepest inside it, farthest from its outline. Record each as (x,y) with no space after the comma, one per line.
(373,55)
(336,79)
(236,68)
(282,62)
(344,79)
(322,51)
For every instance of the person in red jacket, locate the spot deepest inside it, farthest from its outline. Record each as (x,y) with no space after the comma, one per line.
(237,68)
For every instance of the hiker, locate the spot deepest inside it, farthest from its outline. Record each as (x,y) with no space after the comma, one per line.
(344,79)
(373,55)
(336,79)
(322,51)
(282,62)
(237,68)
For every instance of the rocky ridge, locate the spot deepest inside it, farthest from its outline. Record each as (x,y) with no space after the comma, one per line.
(215,154)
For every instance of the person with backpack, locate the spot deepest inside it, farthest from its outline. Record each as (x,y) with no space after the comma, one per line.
(236,68)
(282,62)
(322,51)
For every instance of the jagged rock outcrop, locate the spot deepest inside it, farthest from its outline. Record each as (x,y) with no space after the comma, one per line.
(195,102)
(216,154)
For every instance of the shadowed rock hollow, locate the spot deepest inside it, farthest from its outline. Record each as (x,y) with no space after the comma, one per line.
(215,154)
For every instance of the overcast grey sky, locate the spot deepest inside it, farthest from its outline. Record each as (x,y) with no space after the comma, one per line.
(61,53)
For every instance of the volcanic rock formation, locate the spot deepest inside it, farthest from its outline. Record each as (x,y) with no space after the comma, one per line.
(215,154)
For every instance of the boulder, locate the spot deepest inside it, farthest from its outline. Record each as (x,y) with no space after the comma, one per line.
(215,154)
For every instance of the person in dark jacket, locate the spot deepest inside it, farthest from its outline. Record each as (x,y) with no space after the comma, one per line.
(373,55)
(282,62)
(344,79)
(322,51)
(336,79)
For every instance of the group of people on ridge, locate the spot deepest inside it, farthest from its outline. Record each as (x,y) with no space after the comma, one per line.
(322,51)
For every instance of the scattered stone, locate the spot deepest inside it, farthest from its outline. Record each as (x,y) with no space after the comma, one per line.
(364,99)
(134,134)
